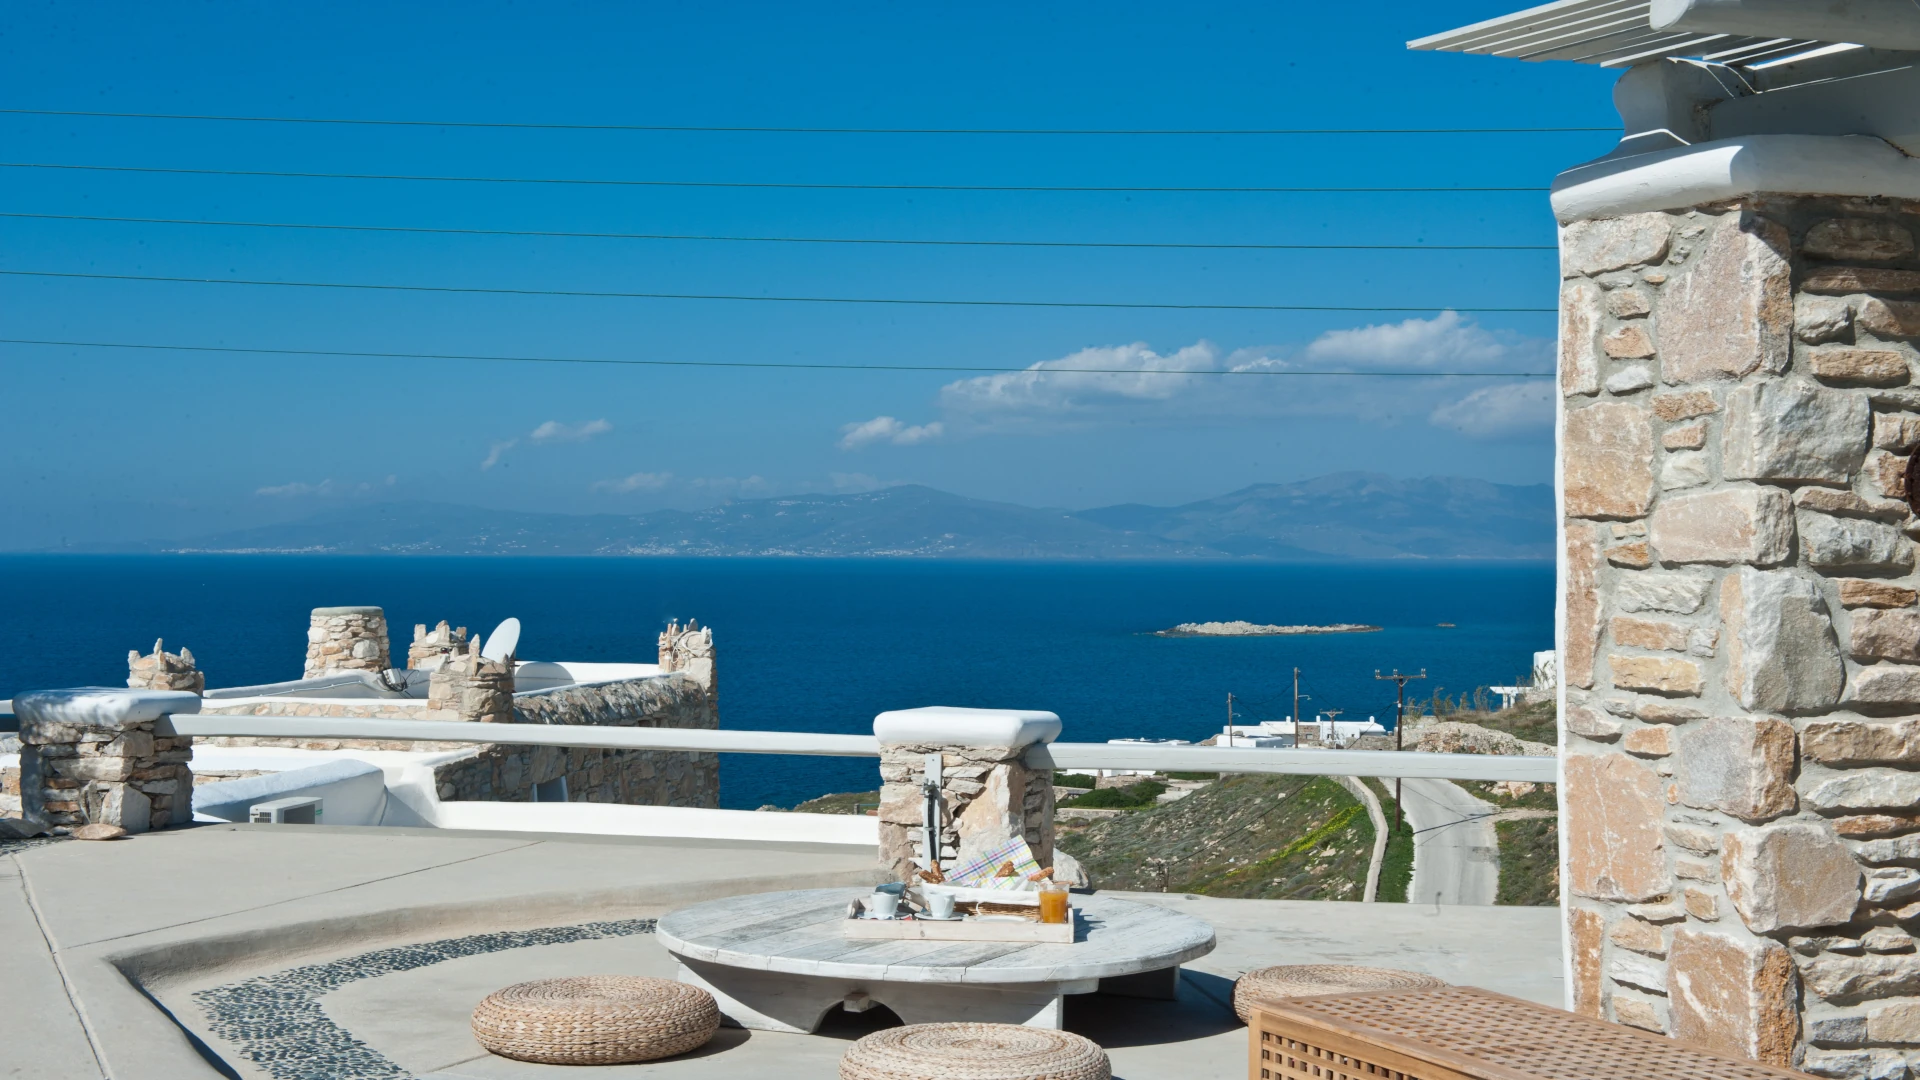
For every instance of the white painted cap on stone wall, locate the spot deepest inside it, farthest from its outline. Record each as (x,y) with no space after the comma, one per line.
(944,725)
(101,706)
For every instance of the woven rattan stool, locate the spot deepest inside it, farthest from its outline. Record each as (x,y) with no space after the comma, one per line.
(1305,980)
(974,1052)
(597,1020)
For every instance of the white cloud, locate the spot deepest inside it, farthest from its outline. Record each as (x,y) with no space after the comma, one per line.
(1445,341)
(1501,409)
(887,429)
(549,432)
(295,489)
(496,452)
(1082,382)
(640,481)
(555,431)
(1134,384)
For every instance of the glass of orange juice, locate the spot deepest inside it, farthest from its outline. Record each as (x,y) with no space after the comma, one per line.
(1053,901)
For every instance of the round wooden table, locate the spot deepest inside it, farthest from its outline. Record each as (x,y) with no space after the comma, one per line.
(779,962)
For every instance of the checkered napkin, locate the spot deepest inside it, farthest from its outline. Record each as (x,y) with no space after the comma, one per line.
(978,872)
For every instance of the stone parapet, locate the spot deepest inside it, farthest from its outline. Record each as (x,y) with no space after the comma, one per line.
(430,646)
(473,687)
(164,671)
(987,792)
(643,777)
(689,649)
(91,757)
(1740,643)
(353,638)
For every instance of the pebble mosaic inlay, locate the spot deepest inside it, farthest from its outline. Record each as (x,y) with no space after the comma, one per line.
(276,1021)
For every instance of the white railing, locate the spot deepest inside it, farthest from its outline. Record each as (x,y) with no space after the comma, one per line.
(1374,763)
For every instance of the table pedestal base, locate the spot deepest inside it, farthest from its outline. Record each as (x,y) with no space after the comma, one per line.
(772,1001)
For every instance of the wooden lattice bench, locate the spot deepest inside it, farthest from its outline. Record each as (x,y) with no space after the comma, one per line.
(1464,1033)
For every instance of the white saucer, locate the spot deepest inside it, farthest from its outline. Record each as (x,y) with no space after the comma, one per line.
(956,917)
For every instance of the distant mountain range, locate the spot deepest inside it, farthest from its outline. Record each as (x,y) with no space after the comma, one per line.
(1342,516)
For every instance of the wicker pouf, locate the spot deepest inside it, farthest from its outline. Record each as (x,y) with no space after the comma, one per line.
(596,1020)
(1306,980)
(974,1052)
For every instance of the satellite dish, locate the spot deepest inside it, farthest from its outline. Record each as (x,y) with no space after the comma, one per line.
(502,642)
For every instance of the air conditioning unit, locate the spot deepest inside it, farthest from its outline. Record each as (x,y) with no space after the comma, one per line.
(299,810)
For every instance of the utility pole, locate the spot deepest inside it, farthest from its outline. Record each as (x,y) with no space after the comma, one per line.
(1333,732)
(1229,718)
(1296,708)
(1399,721)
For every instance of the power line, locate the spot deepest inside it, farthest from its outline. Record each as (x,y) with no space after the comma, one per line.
(752,364)
(783,239)
(783,186)
(905,301)
(764,129)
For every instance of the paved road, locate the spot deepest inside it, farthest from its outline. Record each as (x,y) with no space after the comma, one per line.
(1456,857)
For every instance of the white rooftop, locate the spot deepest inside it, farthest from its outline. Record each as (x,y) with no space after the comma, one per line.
(1610,33)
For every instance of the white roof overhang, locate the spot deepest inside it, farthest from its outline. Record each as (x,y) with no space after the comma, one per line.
(1609,33)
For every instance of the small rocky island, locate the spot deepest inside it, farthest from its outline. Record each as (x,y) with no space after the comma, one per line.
(1247,629)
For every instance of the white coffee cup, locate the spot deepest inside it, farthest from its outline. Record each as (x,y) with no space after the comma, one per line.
(882,905)
(940,905)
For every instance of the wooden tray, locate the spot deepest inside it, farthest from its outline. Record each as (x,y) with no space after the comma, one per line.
(963,930)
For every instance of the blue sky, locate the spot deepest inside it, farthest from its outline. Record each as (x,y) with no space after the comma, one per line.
(101,444)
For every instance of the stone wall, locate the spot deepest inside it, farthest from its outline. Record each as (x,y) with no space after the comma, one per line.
(988,794)
(164,671)
(468,688)
(99,766)
(642,777)
(346,637)
(1741,652)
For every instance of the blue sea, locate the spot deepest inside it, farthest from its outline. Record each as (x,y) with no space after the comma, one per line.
(823,645)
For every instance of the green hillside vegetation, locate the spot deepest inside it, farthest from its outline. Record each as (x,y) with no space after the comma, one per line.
(1529,862)
(1396,866)
(1255,836)
(1130,797)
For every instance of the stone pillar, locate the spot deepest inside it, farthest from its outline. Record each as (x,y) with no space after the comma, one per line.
(478,689)
(165,671)
(988,794)
(90,757)
(689,649)
(1740,651)
(430,647)
(346,638)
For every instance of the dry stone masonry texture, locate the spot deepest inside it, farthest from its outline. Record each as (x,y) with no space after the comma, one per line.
(465,687)
(430,647)
(1742,635)
(351,638)
(75,773)
(988,795)
(164,671)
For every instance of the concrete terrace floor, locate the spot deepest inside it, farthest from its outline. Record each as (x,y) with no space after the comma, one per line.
(301,953)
